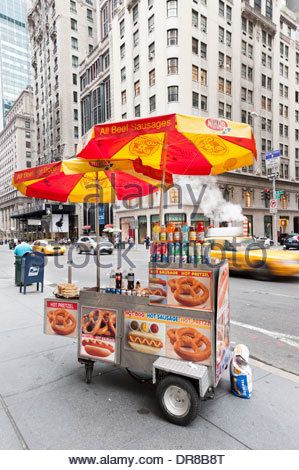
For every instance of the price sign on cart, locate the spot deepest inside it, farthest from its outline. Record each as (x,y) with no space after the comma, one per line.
(273,206)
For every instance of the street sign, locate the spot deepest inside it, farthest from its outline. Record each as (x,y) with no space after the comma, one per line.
(279,194)
(273,161)
(273,206)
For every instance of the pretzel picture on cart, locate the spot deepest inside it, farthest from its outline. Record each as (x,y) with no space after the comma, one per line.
(61,318)
(98,330)
(189,344)
(189,292)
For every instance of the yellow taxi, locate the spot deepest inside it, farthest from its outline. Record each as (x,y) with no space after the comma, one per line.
(48,247)
(244,254)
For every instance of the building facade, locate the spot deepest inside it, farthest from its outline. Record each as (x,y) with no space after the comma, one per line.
(17,151)
(233,60)
(62,33)
(15,67)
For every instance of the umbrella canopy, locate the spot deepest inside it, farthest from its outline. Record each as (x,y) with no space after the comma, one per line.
(176,143)
(75,180)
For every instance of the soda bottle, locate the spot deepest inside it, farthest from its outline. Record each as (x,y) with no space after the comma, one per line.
(163,233)
(131,279)
(156,232)
(177,234)
(185,247)
(177,252)
(185,233)
(153,252)
(192,234)
(171,252)
(169,231)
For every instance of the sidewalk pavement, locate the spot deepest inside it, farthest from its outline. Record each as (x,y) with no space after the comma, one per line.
(46,404)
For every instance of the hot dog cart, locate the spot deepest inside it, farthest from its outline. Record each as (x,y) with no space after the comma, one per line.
(184,348)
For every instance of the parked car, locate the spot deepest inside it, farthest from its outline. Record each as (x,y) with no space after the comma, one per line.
(262,240)
(282,238)
(48,247)
(88,244)
(292,241)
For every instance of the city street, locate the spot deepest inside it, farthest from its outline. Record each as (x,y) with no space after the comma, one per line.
(46,404)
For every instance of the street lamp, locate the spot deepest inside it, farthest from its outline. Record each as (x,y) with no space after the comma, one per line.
(272,177)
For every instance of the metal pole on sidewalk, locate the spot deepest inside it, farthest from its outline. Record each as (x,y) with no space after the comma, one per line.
(275,213)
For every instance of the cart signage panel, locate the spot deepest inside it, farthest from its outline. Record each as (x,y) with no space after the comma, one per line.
(171,336)
(223,322)
(61,318)
(98,331)
(182,288)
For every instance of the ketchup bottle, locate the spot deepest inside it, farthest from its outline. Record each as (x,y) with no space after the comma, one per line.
(200,232)
(163,233)
(170,231)
(192,234)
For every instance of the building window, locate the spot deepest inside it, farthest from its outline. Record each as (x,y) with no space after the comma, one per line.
(203,50)
(194,19)
(136,63)
(137,110)
(221,109)
(74,25)
(203,24)
(74,43)
(172,8)
(27,124)
(104,20)
(136,38)
(221,34)
(89,14)
(152,77)
(269,8)
(152,103)
(123,74)
(122,28)
(28,145)
(172,65)
(90,31)
(75,114)
(258,4)
(75,79)
(76,132)
(204,103)
(75,61)
(151,51)
(123,97)
(135,13)
(73,6)
(195,46)
(247,199)
(204,77)
(75,96)
(173,94)
(172,37)
(122,51)
(195,73)
(195,99)
(151,24)
(221,85)
(137,88)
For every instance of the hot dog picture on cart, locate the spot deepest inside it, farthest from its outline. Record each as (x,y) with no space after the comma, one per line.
(98,330)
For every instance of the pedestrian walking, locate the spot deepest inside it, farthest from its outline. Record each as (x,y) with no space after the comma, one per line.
(22,248)
(131,242)
(147,242)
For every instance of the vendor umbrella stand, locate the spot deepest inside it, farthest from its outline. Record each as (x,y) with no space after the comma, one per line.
(174,144)
(76,180)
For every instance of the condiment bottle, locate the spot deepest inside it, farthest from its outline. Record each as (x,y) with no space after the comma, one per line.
(118,279)
(192,234)
(169,231)
(138,286)
(163,233)
(131,277)
(177,234)
(200,232)
(185,233)
(156,232)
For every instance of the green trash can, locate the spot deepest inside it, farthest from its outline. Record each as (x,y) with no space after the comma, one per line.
(18,268)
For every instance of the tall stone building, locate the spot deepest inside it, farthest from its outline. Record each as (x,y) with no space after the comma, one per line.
(15,68)
(233,60)
(62,33)
(17,151)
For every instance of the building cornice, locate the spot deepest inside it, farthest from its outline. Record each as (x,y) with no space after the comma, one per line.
(254,15)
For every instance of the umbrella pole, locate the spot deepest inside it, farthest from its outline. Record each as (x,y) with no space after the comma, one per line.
(162,190)
(97,234)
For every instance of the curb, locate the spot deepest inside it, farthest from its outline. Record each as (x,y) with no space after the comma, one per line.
(274,370)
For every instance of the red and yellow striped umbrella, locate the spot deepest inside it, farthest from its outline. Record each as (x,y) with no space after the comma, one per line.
(180,144)
(75,180)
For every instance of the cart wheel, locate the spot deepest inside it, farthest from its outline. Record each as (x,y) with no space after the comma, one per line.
(88,373)
(178,400)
